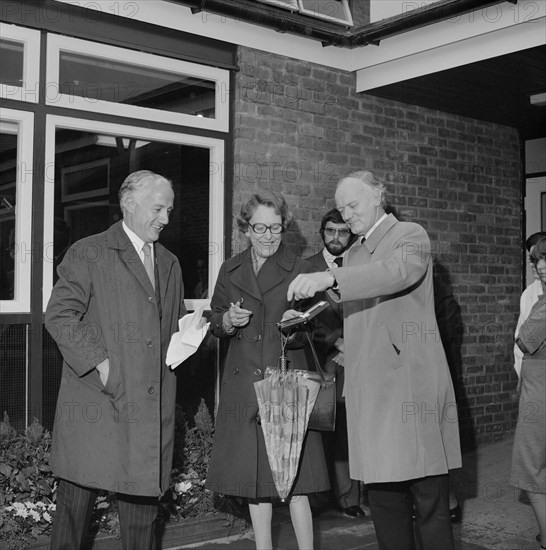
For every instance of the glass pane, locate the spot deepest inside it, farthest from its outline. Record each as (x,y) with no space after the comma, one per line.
(89,170)
(11,62)
(114,81)
(8,174)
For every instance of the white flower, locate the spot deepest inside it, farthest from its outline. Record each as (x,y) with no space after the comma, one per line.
(47,517)
(182,487)
(34,515)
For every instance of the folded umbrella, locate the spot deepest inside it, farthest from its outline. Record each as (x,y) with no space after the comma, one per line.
(285,400)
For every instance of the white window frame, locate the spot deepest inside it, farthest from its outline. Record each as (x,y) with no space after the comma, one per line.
(23,208)
(216,187)
(57,43)
(30,39)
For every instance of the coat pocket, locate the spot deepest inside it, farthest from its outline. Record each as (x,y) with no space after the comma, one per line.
(387,350)
(113,386)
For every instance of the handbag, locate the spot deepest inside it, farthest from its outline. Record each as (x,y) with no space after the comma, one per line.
(323,415)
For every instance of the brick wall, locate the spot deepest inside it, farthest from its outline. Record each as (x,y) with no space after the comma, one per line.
(300,126)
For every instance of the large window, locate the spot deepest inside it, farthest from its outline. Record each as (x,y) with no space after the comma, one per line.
(16,171)
(107,79)
(87,162)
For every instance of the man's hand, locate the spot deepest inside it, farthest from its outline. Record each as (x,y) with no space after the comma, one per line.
(104,370)
(306,285)
(290,314)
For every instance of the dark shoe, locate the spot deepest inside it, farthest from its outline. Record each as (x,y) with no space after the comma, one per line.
(354,512)
(455,514)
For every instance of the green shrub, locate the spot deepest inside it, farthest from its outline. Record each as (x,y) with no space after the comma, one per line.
(27,485)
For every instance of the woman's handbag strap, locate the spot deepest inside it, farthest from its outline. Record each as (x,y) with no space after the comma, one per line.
(317,363)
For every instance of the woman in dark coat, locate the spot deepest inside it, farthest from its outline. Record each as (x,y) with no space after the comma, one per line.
(249,299)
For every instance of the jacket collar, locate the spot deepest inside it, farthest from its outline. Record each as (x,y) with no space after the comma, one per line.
(379,232)
(243,277)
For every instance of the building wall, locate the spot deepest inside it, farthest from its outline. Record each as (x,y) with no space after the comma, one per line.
(299,126)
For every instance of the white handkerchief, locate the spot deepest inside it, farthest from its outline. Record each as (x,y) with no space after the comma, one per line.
(188,338)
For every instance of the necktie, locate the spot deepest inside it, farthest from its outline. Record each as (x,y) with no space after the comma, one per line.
(148,265)
(338,261)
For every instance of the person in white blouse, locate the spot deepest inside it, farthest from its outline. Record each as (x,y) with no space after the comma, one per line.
(528,298)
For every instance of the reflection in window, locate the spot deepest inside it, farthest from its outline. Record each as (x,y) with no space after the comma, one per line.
(89,170)
(113,81)
(8,176)
(11,62)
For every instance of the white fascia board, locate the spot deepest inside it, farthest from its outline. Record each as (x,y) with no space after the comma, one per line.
(453,30)
(174,16)
(485,46)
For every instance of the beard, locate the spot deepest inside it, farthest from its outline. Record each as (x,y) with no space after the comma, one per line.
(335,247)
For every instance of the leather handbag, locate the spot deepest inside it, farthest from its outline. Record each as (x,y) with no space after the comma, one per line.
(323,417)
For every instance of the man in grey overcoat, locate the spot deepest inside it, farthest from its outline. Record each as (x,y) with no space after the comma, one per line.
(401,411)
(112,312)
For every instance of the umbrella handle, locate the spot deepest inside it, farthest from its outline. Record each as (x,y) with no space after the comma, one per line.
(282,362)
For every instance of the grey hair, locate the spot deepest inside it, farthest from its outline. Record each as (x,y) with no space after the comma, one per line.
(371,180)
(266,198)
(136,181)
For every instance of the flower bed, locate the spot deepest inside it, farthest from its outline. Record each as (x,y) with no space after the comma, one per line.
(27,485)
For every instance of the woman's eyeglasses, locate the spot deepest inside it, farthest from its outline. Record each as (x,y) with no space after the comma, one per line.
(261,228)
(330,231)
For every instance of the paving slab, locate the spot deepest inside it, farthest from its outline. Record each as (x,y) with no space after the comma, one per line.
(495,517)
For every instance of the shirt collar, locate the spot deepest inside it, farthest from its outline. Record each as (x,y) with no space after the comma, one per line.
(370,231)
(329,258)
(138,243)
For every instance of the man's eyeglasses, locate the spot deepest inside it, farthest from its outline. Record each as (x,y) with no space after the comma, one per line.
(330,231)
(261,228)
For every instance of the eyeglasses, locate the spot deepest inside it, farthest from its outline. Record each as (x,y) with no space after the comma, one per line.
(261,228)
(330,231)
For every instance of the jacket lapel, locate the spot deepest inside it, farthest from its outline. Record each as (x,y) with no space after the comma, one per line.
(270,276)
(164,262)
(119,240)
(379,232)
(242,276)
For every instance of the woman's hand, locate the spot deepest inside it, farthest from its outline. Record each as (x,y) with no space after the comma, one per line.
(236,316)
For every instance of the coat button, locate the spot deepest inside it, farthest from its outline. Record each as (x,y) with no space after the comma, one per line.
(258,338)
(150,344)
(151,390)
(150,299)
(236,370)
(258,372)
